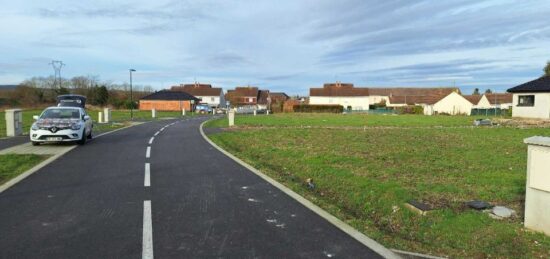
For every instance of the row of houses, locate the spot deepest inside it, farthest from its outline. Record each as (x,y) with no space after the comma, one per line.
(528,100)
(185,96)
(441,100)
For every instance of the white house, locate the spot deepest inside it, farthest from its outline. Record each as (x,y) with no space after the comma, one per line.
(214,97)
(350,97)
(492,101)
(532,99)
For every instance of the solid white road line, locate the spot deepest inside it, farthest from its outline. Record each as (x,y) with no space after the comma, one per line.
(151,140)
(148,152)
(147,181)
(147,250)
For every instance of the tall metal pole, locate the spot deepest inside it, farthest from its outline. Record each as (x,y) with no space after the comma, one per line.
(131,96)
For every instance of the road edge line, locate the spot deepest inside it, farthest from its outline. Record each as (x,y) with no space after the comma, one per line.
(46,162)
(354,233)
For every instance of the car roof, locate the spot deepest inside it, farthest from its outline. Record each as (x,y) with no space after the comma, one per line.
(63,107)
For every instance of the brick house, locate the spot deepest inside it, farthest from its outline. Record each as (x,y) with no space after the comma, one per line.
(168,101)
(243,96)
(212,96)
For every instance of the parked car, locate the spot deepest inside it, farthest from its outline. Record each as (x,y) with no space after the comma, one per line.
(203,108)
(68,122)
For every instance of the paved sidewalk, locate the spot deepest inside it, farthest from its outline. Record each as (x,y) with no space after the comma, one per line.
(46,149)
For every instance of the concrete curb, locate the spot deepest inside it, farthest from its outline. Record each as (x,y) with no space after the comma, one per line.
(368,242)
(44,163)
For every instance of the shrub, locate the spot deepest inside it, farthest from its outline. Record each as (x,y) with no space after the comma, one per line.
(313,108)
(417,109)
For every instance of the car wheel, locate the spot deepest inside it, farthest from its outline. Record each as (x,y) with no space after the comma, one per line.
(82,140)
(34,143)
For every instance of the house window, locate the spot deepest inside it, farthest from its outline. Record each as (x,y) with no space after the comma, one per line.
(250,100)
(526,100)
(212,99)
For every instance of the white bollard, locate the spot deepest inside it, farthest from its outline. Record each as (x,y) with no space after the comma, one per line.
(14,122)
(183,112)
(231,118)
(254,112)
(154,113)
(537,191)
(107,115)
(267,112)
(100,117)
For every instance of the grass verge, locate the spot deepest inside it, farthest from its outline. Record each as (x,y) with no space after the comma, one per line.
(12,165)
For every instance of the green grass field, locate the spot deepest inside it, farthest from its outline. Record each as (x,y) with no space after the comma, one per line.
(365,175)
(12,165)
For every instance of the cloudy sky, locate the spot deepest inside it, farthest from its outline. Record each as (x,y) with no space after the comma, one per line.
(279,45)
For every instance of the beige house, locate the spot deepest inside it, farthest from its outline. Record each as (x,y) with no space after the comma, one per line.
(532,99)
(498,101)
(350,97)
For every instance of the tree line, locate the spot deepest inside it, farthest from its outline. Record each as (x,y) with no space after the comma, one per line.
(42,91)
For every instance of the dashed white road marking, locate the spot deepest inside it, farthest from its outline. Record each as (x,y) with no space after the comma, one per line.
(147,181)
(156,133)
(148,152)
(147,249)
(151,140)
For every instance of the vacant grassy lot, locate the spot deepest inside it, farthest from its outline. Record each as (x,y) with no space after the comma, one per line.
(365,175)
(12,165)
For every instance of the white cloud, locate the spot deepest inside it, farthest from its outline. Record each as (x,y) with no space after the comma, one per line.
(281,45)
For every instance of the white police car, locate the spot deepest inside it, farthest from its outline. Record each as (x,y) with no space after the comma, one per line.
(66,122)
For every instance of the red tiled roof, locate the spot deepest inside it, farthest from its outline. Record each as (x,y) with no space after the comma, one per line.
(499,98)
(248,91)
(412,100)
(412,91)
(338,89)
(474,98)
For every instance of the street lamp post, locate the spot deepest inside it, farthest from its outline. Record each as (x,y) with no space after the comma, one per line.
(131,96)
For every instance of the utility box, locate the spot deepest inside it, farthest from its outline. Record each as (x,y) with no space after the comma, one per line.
(107,115)
(14,122)
(231,117)
(537,196)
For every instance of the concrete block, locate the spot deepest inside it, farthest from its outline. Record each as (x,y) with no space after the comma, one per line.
(537,196)
(231,117)
(14,122)
(106,115)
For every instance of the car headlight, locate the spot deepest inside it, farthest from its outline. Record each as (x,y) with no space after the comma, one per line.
(75,126)
(34,126)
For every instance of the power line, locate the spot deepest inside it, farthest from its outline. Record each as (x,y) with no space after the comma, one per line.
(57,65)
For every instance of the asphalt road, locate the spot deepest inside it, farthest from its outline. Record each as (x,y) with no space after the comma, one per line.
(138,193)
(13,141)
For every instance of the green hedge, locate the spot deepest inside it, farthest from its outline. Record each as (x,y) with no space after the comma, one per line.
(318,108)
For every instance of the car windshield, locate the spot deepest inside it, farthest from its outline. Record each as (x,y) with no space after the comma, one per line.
(61,114)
